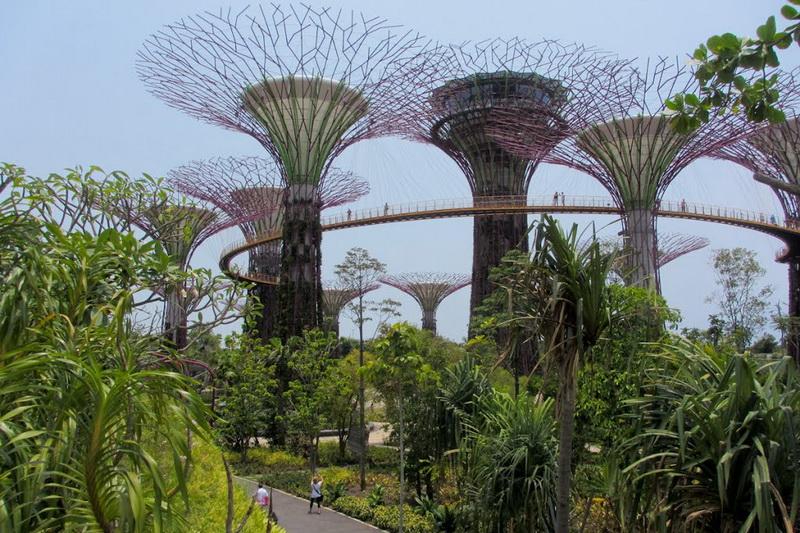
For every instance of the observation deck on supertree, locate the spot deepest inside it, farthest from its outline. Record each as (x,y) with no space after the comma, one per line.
(250,189)
(535,82)
(304,83)
(334,298)
(772,153)
(626,142)
(429,289)
(181,226)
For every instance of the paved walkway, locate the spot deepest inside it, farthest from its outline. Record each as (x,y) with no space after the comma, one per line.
(294,518)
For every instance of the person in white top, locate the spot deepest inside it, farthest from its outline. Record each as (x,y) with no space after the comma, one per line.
(316,493)
(262,497)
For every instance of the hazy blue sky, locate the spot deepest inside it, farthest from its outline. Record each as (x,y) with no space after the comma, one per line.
(70,96)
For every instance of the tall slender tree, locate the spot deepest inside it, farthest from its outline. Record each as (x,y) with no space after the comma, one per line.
(561,290)
(358,272)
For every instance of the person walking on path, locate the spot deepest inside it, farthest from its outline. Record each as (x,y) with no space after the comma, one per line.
(262,496)
(316,494)
(263,500)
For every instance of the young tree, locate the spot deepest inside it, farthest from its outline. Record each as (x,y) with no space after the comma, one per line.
(312,356)
(741,302)
(359,272)
(339,387)
(248,386)
(397,369)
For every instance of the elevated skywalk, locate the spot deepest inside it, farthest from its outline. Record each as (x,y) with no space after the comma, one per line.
(787,231)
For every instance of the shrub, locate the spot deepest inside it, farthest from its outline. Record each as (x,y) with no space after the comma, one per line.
(339,474)
(260,460)
(276,459)
(352,506)
(336,491)
(208,497)
(294,482)
(375,497)
(388,518)
(383,456)
(328,455)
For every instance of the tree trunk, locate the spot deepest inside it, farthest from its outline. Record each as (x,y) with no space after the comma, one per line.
(362,457)
(566,434)
(429,320)
(402,471)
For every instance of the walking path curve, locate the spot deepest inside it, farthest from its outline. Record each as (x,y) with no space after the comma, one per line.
(293,514)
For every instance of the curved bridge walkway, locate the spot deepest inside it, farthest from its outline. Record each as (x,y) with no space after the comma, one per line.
(787,231)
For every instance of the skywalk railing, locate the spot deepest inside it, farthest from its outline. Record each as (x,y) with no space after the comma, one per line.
(535,203)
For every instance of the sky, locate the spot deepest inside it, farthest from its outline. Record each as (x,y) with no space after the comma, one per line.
(71,97)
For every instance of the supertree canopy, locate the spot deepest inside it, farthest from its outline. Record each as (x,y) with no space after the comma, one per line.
(250,189)
(334,297)
(671,246)
(306,84)
(181,226)
(488,84)
(429,289)
(627,143)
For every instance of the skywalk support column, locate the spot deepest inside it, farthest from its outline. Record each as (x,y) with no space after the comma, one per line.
(633,152)
(251,190)
(636,153)
(491,90)
(305,119)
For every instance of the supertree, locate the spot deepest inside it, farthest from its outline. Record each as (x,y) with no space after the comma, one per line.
(429,289)
(306,84)
(772,153)
(626,142)
(334,298)
(502,78)
(250,189)
(180,226)
(671,246)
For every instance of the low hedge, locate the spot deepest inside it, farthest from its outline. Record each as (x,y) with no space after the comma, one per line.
(388,518)
(353,506)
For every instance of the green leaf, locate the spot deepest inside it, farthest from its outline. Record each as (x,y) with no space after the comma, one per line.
(701,54)
(692,100)
(767,32)
(788,12)
(775,115)
(771,58)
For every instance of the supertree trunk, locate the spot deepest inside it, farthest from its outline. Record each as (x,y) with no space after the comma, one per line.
(429,320)
(300,291)
(493,237)
(641,251)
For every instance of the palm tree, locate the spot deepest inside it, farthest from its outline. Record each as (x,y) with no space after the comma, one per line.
(561,292)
